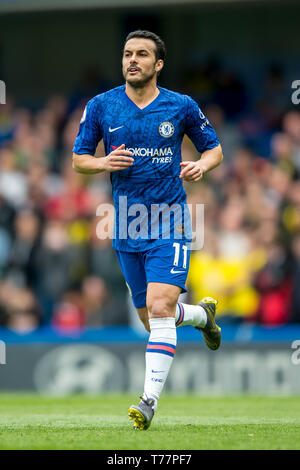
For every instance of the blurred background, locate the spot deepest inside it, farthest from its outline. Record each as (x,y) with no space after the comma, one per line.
(59,283)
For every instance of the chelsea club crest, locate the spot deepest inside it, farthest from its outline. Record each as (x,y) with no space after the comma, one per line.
(166,129)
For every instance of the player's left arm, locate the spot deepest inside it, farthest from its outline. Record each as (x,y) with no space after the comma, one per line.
(203,136)
(194,171)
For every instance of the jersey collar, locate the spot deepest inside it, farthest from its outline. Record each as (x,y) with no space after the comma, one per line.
(148,106)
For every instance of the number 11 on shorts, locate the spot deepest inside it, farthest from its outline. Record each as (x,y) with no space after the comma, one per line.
(177,246)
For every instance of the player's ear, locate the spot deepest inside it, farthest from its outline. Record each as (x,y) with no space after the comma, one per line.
(159,65)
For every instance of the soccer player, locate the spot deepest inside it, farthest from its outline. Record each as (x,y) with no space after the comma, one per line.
(142,126)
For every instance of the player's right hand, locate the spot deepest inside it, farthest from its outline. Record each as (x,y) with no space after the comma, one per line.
(118,159)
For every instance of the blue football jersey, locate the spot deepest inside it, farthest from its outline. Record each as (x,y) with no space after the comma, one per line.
(146,191)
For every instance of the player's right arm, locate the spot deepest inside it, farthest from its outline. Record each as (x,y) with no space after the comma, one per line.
(89,135)
(118,159)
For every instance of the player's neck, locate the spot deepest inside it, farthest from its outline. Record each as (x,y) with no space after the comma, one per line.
(142,97)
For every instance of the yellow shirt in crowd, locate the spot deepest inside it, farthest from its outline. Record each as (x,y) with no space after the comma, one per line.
(226,279)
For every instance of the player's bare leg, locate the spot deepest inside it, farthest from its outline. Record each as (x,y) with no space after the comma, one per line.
(161,305)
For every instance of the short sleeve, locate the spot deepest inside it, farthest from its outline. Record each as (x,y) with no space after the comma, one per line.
(90,129)
(198,128)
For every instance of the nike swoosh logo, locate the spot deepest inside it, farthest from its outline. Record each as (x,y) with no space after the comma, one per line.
(115,129)
(176,272)
(156,371)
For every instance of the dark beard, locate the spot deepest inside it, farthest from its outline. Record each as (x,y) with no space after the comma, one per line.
(142,82)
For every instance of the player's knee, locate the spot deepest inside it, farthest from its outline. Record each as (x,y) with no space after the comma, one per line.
(160,308)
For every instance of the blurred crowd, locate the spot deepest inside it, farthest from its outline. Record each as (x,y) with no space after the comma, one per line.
(55,270)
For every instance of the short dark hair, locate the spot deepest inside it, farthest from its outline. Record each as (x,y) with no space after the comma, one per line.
(160,52)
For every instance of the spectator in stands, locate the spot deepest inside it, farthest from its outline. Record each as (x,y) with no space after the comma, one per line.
(228,133)
(295,307)
(68,313)
(102,255)
(19,308)
(13,182)
(53,260)
(282,153)
(291,126)
(274,282)
(20,266)
(101,307)
(226,274)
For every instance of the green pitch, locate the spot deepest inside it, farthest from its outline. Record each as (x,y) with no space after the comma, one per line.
(183,422)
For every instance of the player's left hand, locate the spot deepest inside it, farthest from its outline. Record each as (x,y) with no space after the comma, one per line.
(191,171)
